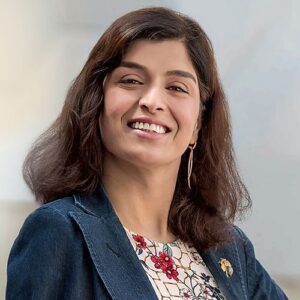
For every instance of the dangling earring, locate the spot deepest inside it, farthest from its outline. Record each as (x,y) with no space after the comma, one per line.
(190,163)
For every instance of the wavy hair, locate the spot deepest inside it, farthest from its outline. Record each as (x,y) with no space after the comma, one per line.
(67,158)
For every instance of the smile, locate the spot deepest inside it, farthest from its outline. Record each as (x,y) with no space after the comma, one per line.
(148,127)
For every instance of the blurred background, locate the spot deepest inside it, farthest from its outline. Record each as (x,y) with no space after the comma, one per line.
(44,45)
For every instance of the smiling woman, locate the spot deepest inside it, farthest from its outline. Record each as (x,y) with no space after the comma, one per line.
(137,178)
(150,108)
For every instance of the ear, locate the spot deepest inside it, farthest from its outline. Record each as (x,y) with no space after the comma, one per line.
(195,133)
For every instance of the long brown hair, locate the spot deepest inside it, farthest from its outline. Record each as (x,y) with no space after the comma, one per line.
(67,158)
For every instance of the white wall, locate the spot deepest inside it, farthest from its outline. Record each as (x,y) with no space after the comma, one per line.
(44,45)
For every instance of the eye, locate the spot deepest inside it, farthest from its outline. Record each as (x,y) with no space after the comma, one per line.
(177,89)
(130,81)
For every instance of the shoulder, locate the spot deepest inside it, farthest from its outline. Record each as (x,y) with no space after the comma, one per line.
(258,281)
(46,239)
(60,207)
(47,227)
(244,251)
(242,241)
(48,249)
(55,213)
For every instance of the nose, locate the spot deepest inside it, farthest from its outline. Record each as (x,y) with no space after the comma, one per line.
(152,100)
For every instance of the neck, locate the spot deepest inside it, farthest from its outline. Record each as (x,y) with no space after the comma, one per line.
(141,197)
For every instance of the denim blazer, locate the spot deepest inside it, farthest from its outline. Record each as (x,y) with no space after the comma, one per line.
(76,248)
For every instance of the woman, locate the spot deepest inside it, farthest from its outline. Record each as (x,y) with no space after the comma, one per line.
(141,167)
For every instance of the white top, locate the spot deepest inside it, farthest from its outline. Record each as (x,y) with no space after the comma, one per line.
(175,270)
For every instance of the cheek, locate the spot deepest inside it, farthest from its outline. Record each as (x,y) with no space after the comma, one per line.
(108,115)
(112,104)
(117,103)
(187,115)
(107,130)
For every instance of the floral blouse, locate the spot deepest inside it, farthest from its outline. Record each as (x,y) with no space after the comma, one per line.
(175,270)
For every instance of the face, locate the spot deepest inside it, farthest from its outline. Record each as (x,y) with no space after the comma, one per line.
(151,105)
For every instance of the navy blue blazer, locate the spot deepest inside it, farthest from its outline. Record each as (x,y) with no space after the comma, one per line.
(76,248)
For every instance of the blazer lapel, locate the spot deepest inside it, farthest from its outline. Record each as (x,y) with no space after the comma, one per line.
(112,254)
(232,286)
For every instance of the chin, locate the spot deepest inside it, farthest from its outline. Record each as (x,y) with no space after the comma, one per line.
(147,160)
(150,160)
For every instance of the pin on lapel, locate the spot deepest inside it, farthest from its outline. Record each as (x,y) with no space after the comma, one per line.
(226,267)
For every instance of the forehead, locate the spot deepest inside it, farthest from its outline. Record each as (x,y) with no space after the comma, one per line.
(167,54)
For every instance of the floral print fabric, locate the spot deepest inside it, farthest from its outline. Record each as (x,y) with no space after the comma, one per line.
(175,270)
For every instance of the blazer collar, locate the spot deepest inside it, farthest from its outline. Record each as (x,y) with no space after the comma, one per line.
(96,204)
(118,265)
(111,251)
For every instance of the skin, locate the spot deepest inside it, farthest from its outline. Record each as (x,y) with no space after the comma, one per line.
(140,168)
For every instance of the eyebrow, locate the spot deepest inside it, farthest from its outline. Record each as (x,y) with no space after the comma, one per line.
(180,73)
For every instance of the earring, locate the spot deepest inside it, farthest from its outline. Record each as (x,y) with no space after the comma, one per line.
(190,163)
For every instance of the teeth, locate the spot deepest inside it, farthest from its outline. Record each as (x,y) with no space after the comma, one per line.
(150,127)
(153,127)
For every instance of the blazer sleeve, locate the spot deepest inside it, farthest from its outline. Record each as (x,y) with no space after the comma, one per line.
(260,284)
(42,264)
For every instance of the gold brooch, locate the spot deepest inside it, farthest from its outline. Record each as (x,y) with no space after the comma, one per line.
(226,267)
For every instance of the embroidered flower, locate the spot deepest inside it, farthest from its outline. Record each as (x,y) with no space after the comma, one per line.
(170,272)
(166,258)
(185,293)
(165,263)
(157,261)
(139,241)
(207,292)
(163,260)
